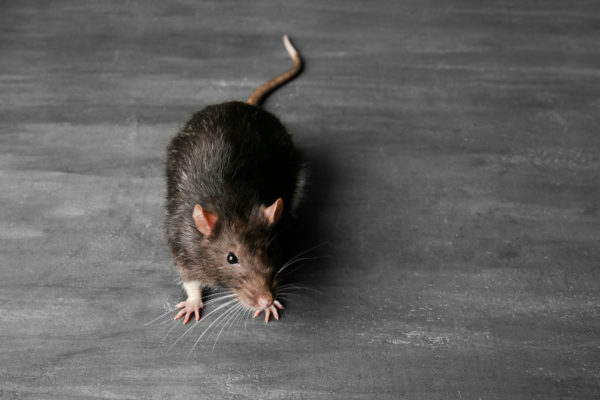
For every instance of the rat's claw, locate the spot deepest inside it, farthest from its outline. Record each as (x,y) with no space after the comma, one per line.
(275,313)
(272,310)
(189,307)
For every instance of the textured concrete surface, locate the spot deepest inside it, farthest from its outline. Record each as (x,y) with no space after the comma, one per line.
(454,194)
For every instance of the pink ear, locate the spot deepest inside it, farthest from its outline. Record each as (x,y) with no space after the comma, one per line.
(205,221)
(274,211)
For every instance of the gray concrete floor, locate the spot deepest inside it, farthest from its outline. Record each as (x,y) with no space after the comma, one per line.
(454,194)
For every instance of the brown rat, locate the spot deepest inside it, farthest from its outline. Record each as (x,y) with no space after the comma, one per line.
(233,177)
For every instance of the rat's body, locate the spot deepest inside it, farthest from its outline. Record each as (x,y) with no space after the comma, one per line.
(233,175)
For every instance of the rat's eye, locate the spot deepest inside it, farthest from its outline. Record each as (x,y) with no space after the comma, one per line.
(232,258)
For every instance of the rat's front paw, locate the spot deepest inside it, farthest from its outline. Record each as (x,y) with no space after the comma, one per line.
(189,307)
(271,310)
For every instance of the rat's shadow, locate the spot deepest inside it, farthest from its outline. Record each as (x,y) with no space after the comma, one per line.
(307,240)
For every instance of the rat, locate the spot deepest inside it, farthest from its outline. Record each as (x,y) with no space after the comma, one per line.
(234,177)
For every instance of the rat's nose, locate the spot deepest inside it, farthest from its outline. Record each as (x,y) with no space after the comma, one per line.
(264,301)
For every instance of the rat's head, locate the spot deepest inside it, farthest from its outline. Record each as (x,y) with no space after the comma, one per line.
(239,253)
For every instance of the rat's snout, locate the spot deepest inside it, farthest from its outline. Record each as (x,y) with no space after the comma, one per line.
(259,295)
(265,300)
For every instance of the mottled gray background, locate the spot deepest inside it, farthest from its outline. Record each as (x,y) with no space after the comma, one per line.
(454,193)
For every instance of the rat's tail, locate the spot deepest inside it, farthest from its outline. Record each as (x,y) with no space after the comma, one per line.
(260,93)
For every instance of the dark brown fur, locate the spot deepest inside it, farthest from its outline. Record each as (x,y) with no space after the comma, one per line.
(233,159)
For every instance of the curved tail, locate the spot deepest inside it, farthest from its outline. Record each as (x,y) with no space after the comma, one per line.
(260,93)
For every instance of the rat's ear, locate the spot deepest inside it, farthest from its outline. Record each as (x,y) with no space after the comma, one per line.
(205,221)
(274,211)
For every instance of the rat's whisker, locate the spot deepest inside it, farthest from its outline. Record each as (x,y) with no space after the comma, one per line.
(220,320)
(288,291)
(174,309)
(289,272)
(290,263)
(296,286)
(192,326)
(307,251)
(175,323)
(232,315)
(217,299)
(197,322)
(171,309)
(218,295)
(297,258)
(235,316)
(285,296)
(247,319)
(160,316)
(206,330)
(240,316)
(166,321)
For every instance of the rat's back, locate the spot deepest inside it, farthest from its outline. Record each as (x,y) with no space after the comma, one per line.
(231,157)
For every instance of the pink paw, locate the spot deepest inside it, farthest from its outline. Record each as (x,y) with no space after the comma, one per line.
(270,310)
(188,308)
